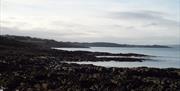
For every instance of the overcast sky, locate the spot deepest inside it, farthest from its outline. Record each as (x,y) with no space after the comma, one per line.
(119,21)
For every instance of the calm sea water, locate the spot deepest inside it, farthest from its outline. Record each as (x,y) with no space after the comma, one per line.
(165,57)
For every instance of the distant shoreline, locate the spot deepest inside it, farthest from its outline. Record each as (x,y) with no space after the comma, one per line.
(54,43)
(31,67)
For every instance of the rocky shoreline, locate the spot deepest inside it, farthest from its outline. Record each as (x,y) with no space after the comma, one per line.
(28,69)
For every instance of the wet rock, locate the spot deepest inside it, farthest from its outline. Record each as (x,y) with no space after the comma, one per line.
(43,70)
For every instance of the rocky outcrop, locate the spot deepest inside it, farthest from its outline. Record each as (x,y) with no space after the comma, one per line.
(43,70)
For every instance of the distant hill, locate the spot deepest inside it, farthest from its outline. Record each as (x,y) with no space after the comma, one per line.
(107,44)
(41,42)
(8,42)
(175,46)
(29,41)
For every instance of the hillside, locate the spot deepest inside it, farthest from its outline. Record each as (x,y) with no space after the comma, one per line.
(53,43)
(9,42)
(41,42)
(107,44)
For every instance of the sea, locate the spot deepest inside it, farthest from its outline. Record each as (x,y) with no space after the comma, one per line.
(161,57)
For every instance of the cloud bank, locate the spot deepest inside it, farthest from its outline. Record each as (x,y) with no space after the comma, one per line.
(119,21)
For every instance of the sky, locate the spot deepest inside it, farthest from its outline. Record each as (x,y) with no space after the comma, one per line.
(117,21)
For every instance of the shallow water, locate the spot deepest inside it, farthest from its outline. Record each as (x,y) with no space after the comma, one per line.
(165,57)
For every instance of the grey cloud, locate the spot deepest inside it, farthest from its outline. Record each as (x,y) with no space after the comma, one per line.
(116,25)
(17,23)
(76,27)
(5,22)
(130,27)
(44,33)
(150,24)
(76,36)
(145,15)
(16,31)
(67,24)
(148,18)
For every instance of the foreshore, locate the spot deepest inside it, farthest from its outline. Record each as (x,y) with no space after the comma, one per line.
(28,69)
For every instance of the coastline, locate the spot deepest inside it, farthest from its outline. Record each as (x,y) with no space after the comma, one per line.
(39,69)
